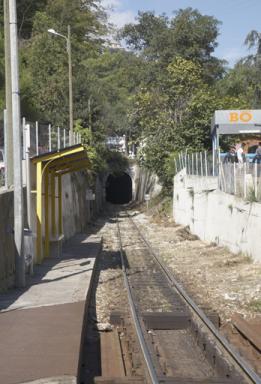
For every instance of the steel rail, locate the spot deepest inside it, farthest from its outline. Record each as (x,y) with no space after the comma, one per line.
(143,345)
(242,364)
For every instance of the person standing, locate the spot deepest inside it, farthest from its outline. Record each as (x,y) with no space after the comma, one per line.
(231,155)
(241,157)
(257,157)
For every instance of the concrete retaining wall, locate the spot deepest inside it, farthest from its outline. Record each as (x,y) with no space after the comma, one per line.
(77,210)
(7,250)
(216,216)
(77,213)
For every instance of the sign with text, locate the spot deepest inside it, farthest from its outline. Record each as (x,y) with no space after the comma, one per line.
(237,121)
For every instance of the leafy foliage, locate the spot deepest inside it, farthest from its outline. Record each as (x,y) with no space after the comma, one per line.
(160,93)
(188,34)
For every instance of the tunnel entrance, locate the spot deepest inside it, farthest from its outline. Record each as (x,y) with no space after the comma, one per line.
(119,189)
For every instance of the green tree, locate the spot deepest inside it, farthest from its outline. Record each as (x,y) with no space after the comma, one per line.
(112,77)
(188,34)
(45,60)
(177,116)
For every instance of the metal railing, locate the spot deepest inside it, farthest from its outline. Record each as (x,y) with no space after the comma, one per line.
(197,163)
(239,179)
(45,138)
(243,180)
(40,138)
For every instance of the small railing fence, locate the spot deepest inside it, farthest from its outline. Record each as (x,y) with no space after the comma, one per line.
(45,138)
(239,179)
(37,139)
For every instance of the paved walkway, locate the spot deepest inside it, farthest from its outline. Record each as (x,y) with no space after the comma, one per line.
(41,326)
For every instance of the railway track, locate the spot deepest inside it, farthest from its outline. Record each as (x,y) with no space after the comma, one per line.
(179,343)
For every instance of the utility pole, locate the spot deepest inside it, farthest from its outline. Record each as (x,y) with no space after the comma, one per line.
(69,50)
(17,153)
(8,102)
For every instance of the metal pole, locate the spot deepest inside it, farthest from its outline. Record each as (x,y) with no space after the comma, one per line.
(201,164)
(24,137)
(50,137)
(58,139)
(206,163)
(9,172)
(213,154)
(244,178)
(255,178)
(27,145)
(28,175)
(17,155)
(218,152)
(69,50)
(64,138)
(37,137)
(235,179)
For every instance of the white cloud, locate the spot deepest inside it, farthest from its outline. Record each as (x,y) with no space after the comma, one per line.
(109,4)
(231,55)
(119,19)
(116,15)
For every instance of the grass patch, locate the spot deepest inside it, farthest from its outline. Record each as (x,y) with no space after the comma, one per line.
(251,197)
(160,206)
(230,207)
(255,305)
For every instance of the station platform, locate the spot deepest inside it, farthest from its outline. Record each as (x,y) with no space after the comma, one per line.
(41,325)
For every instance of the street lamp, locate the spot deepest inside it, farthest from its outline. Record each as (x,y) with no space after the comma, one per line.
(69,51)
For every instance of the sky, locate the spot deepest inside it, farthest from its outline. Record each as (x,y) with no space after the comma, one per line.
(238,18)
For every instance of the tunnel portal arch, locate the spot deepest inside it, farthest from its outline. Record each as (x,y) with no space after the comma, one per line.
(119,189)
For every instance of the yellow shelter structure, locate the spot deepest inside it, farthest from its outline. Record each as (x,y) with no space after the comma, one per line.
(50,167)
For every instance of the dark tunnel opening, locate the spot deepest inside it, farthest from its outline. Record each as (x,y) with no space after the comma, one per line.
(119,189)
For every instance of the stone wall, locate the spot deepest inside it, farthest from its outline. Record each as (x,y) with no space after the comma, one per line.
(216,216)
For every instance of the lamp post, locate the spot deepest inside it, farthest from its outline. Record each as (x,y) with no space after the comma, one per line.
(69,51)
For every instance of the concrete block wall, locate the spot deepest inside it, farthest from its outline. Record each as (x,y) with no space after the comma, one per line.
(216,216)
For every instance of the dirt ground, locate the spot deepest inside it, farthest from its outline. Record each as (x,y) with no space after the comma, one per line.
(215,278)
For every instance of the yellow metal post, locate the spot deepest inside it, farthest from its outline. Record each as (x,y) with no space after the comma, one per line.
(46,210)
(39,211)
(60,204)
(53,204)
